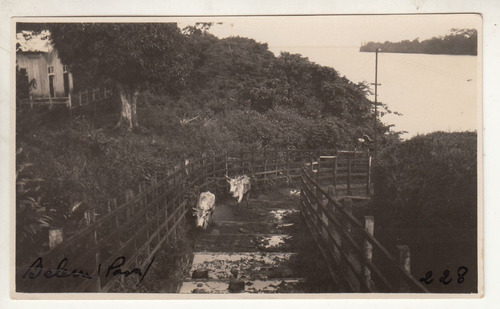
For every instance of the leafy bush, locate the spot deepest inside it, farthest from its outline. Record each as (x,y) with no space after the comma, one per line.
(429,180)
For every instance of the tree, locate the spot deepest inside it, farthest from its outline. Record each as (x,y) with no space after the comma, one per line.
(130,56)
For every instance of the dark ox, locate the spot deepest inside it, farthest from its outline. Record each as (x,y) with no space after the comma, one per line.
(204,209)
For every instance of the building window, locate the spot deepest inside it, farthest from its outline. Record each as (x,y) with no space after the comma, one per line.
(65,68)
(51,70)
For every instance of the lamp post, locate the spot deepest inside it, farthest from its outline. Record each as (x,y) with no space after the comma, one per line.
(376,95)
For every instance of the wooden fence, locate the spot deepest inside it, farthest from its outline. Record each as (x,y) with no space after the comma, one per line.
(81,98)
(132,229)
(356,260)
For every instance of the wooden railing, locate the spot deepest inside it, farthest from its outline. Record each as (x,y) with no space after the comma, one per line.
(356,260)
(84,97)
(351,176)
(136,226)
(88,96)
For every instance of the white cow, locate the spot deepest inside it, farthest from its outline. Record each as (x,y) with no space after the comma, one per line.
(204,209)
(239,186)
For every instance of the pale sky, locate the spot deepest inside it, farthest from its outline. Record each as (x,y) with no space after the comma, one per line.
(344,30)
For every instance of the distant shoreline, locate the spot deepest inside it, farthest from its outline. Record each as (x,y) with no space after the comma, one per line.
(461,42)
(418,53)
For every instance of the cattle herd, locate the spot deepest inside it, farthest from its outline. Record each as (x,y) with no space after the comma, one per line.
(239,187)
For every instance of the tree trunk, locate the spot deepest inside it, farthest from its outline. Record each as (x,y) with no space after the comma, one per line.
(128,115)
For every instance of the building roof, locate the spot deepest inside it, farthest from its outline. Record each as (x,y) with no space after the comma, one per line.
(30,42)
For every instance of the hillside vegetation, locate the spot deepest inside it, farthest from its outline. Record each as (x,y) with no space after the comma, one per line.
(235,95)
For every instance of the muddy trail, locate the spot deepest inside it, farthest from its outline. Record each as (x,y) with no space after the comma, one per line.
(256,248)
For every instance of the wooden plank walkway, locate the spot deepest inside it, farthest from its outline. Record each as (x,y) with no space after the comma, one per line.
(247,250)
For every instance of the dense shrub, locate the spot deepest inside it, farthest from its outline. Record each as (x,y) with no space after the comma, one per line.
(429,180)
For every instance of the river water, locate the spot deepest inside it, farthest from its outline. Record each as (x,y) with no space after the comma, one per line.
(433,92)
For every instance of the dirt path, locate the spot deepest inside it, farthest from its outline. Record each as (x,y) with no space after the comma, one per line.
(248,250)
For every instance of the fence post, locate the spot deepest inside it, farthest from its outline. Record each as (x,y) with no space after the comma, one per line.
(87,96)
(368,177)
(55,237)
(114,204)
(404,261)
(347,203)
(242,162)
(80,98)
(287,165)
(319,169)
(205,168)
(154,184)
(368,253)
(335,172)
(344,245)
(90,216)
(142,204)
(349,177)
(226,163)
(129,195)
(69,104)
(331,194)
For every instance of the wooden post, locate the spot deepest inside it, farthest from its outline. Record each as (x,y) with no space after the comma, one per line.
(168,199)
(226,163)
(349,177)
(344,245)
(331,194)
(242,163)
(80,100)
(335,172)
(114,205)
(368,177)
(404,261)
(90,215)
(214,166)
(347,203)
(87,96)
(265,164)
(287,165)
(129,195)
(368,253)
(50,101)
(205,168)
(276,168)
(154,184)
(69,103)
(319,169)
(55,237)
(143,204)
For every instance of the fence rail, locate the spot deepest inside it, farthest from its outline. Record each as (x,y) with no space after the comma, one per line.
(137,225)
(74,100)
(356,260)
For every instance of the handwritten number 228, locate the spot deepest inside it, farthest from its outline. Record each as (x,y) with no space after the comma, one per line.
(445,278)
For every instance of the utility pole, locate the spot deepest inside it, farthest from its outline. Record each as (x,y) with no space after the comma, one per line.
(376,103)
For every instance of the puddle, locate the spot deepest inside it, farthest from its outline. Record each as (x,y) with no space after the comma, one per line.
(279,214)
(274,241)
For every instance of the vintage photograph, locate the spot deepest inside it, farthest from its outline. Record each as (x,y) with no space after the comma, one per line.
(284,155)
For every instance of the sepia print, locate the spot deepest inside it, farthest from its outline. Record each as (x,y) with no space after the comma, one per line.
(283,155)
